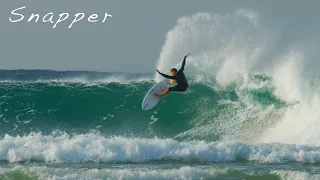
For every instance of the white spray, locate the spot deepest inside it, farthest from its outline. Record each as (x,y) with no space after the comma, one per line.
(228,47)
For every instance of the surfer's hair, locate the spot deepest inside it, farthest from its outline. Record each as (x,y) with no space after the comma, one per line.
(174,70)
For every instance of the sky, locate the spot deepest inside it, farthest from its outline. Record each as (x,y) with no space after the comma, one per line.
(132,39)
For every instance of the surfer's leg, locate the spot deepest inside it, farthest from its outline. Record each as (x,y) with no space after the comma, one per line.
(178,88)
(174,88)
(164,93)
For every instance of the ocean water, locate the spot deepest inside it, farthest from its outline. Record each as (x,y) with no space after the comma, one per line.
(250,113)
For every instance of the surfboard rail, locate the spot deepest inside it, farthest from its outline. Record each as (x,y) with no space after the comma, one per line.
(150,100)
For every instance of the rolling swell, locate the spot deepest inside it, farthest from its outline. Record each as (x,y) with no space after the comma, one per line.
(206,112)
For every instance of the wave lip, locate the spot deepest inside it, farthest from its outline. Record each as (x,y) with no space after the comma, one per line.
(99,149)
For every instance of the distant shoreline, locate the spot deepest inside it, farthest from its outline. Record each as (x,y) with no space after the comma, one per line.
(69,71)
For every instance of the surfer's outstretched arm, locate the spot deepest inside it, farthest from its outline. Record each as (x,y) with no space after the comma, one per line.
(166,76)
(183,64)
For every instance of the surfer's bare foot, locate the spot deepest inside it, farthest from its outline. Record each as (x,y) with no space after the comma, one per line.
(156,95)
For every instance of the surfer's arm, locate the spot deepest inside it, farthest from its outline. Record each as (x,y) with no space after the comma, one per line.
(183,64)
(166,76)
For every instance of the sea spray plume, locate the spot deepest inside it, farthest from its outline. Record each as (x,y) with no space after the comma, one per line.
(222,46)
(229,48)
(226,48)
(296,78)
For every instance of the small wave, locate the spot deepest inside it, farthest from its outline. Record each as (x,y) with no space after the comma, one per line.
(296,175)
(185,172)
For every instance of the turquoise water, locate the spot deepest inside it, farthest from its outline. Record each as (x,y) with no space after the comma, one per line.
(84,127)
(114,108)
(251,112)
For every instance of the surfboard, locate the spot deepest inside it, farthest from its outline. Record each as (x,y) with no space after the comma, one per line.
(150,100)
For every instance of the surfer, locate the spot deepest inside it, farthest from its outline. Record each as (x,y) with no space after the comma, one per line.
(177,77)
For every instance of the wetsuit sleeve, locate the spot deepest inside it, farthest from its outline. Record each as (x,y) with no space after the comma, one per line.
(183,64)
(167,76)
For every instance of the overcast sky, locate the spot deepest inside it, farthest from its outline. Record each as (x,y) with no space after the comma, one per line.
(131,40)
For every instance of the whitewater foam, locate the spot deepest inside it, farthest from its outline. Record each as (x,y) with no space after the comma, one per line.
(99,149)
(295,82)
(228,48)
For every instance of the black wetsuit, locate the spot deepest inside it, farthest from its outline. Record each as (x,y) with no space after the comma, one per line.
(180,78)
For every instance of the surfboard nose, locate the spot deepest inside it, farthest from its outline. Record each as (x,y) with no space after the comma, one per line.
(150,100)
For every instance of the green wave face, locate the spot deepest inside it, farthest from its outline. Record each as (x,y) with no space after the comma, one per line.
(206,112)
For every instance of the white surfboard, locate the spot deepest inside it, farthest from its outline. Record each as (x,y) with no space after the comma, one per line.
(150,100)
